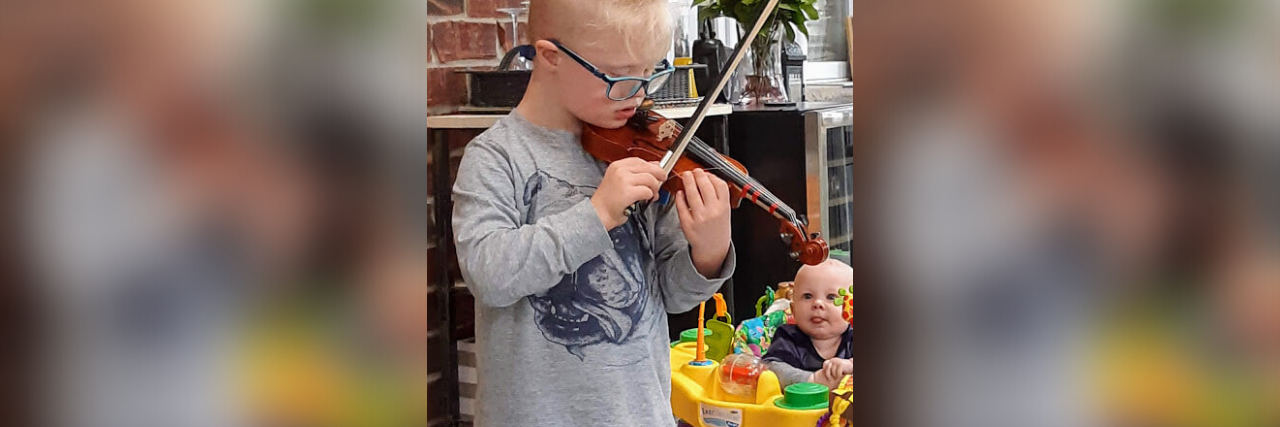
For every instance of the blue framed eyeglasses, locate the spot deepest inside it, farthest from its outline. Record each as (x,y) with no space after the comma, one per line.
(623,88)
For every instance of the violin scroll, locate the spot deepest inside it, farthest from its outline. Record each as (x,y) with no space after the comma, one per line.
(806,248)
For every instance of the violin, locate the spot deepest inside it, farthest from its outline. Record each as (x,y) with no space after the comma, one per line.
(650,136)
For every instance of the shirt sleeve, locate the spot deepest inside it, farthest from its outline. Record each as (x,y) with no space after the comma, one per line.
(502,259)
(681,285)
(784,358)
(787,374)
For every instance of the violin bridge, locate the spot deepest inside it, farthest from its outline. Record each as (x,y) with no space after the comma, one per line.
(668,129)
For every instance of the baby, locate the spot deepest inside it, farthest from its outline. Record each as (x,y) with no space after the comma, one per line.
(818,347)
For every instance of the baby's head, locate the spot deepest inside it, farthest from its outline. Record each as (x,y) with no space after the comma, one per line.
(813,298)
(622,38)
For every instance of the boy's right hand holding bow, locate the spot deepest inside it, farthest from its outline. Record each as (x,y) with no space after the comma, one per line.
(625,182)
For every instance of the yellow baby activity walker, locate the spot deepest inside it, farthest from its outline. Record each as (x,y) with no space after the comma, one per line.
(736,390)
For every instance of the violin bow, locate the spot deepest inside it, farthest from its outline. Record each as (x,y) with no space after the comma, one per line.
(669,160)
(686,134)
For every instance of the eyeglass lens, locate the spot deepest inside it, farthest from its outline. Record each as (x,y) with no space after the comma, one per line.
(624,89)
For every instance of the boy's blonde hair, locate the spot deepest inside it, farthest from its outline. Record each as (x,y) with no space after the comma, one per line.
(643,26)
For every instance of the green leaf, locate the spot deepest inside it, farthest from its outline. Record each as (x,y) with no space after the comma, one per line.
(742,12)
(810,11)
(797,18)
(708,13)
(791,33)
(788,6)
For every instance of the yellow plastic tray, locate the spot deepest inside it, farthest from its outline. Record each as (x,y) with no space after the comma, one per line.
(697,399)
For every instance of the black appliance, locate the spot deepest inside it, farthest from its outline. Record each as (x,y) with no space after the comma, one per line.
(804,154)
(710,51)
(793,70)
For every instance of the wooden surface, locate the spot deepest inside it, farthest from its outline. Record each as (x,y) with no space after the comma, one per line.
(848,41)
(482,121)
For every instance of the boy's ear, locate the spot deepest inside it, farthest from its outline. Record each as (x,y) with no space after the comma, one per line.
(547,52)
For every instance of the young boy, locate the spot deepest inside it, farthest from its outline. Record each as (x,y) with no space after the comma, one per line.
(572,293)
(818,347)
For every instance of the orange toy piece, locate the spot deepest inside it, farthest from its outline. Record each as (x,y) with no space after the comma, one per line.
(701,356)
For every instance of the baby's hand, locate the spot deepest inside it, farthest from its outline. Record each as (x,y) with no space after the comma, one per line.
(832,372)
(840,367)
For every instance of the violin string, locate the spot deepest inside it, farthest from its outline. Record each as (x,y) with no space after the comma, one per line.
(712,157)
(707,155)
(764,193)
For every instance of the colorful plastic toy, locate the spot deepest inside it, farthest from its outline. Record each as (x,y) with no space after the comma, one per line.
(754,335)
(691,335)
(720,340)
(838,414)
(845,302)
(699,396)
(739,374)
(772,310)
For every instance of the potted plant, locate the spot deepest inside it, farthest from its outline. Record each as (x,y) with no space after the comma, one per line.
(763,82)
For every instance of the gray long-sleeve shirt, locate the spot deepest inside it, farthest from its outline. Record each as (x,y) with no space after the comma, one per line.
(570,321)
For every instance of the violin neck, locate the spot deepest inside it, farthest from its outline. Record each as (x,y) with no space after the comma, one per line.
(752,189)
(707,156)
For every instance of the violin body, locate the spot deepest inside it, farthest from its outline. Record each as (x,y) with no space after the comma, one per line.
(649,136)
(646,145)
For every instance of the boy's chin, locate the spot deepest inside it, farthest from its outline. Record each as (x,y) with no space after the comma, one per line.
(607,122)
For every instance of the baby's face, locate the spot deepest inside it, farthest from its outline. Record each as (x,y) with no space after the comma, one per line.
(813,306)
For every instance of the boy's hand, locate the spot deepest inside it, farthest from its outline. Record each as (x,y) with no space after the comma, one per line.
(625,182)
(703,207)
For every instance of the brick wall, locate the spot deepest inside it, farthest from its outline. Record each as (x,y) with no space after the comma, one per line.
(464,34)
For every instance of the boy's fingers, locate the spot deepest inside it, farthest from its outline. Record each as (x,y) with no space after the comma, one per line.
(648,181)
(691,192)
(640,193)
(629,163)
(652,168)
(705,187)
(682,208)
(722,188)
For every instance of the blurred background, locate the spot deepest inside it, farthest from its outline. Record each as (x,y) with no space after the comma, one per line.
(211,213)
(214,210)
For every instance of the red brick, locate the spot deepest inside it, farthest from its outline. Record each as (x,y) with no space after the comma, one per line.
(444,7)
(456,138)
(455,41)
(446,87)
(489,8)
(460,137)
(505,40)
